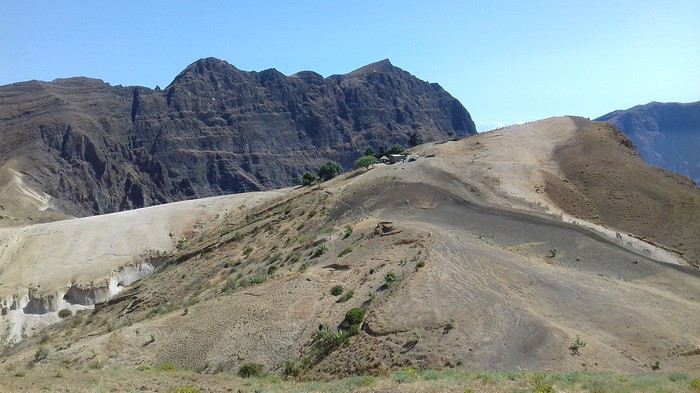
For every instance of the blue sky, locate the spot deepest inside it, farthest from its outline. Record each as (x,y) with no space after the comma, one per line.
(506,61)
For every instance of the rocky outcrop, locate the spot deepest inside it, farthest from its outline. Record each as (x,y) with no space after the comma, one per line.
(24,314)
(215,129)
(666,134)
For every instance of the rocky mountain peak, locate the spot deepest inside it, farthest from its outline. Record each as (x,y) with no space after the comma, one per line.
(383,66)
(214,130)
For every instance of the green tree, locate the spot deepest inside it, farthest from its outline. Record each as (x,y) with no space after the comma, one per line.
(415,139)
(396,149)
(369,152)
(365,162)
(308,179)
(329,170)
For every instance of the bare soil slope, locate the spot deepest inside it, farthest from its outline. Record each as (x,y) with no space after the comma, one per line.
(458,257)
(607,182)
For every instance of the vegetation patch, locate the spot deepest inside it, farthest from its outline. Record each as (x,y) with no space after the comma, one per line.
(292,369)
(319,251)
(249,370)
(329,170)
(40,354)
(345,252)
(353,320)
(576,346)
(167,366)
(308,179)
(337,290)
(346,296)
(365,162)
(259,278)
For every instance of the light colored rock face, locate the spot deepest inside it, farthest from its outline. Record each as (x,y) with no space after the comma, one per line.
(23,204)
(78,263)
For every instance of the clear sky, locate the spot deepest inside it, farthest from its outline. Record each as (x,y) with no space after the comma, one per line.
(506,61)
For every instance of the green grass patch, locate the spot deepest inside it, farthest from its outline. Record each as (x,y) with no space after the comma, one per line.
(168,366)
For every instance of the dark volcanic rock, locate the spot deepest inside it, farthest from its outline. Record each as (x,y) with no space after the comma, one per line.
(666,134)
(99,148)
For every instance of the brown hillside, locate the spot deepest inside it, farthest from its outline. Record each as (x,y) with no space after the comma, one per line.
(608,183)
(457,257)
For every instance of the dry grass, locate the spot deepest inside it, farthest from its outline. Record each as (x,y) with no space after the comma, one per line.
(406,380)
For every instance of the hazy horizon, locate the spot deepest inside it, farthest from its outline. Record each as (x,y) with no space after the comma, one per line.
(507,62)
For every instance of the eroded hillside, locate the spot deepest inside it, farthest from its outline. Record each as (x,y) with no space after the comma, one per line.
(461,256)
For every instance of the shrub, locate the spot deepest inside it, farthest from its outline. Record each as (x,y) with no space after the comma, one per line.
(348,232)
(40,354)
(541,386)
(259,278)
(695,385)
(328,338)
(347,296)
(353,319)
(337,290)
(420,264)
(249,370)
(576,346)
(308,179)
(345,252)
(292,368)
(329,170)
(396,149)
(247,250)
(320,250)
(365,162)
(229,285)
(390,278)
(65,313)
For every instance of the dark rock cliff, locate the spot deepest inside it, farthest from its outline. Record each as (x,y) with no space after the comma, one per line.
(667,135)
(215,129)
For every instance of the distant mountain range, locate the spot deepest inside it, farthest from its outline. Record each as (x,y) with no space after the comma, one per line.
(666,134)
(95,148)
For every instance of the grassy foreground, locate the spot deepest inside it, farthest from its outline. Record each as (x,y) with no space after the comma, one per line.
(175,381)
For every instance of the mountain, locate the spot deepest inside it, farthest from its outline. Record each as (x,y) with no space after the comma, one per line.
(79,146)
(666,134)
(548,246)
